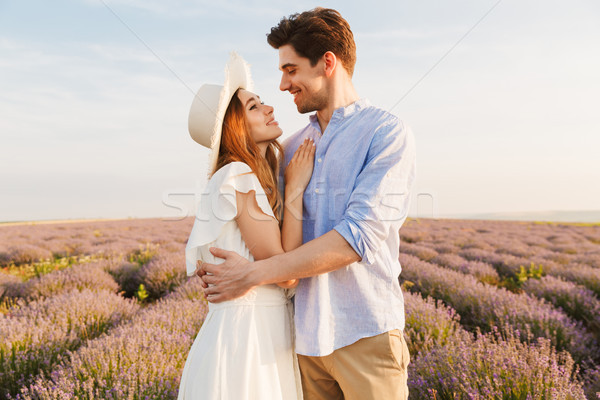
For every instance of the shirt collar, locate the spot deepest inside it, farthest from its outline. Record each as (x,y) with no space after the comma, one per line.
(344,111)
(314,122)
(353,107)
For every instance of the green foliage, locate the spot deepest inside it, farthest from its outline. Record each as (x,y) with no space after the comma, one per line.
(144,254)
(43,267)
(141,293)
(6,304)
(567,224)
(407,286)
(535,272)
(515,283)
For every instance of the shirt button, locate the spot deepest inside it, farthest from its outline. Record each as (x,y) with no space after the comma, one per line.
(320,159)
(316,190)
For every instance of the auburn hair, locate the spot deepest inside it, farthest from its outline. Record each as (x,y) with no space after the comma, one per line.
(315,32)
(238,145)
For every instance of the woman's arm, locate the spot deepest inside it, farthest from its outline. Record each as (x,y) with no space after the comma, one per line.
(261,232)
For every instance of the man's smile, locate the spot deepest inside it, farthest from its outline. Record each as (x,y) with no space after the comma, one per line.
(294,93)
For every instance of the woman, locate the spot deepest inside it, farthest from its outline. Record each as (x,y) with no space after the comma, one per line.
(244,349)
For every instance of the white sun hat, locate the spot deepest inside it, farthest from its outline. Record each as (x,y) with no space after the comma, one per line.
(205,121)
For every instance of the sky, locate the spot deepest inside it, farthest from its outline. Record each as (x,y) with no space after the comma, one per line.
(502,97)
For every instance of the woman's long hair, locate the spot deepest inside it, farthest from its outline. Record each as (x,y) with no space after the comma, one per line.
(237,145)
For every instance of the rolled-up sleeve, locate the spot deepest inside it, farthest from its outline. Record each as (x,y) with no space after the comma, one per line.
(379,202)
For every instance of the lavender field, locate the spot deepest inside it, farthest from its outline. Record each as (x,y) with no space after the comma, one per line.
(494,310)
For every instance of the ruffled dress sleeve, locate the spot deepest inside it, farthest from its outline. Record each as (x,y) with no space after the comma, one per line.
(218,206)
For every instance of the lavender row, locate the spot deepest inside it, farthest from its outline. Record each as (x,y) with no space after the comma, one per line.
(38,269)
(482,271)
(23,244)
(163,274)
(42,267)
(165,331)
(79,277)
(489,366)
(484,306)
(494,366)
(577,301)
(518,238)
(582,274)
(160,272)
(592,383)
(37,335)
(142,359)
(562,244)
(479,262)
(509,265)
(428,323)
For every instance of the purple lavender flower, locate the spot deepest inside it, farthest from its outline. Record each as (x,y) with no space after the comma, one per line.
(150,251)
(163,274)
(482,271)
(592,382)
(92,276)
(576,300)
(490,367)
(484,306)
(143,358)
(37,335)
(429,323)
(422,252)
(582,274)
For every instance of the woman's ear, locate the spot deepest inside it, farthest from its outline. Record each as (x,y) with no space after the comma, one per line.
(330,63)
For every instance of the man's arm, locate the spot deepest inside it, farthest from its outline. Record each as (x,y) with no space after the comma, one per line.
(236,276)
(378,205)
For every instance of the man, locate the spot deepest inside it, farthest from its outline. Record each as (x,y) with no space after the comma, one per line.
(349,306)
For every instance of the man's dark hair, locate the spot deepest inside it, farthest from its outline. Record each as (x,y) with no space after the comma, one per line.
(315,32)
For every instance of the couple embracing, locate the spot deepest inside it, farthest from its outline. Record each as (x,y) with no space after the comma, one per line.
(330,239)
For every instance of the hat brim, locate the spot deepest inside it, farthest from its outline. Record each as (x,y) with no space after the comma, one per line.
(237,75)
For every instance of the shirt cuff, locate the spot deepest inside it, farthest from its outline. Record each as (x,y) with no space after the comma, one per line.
(352,234)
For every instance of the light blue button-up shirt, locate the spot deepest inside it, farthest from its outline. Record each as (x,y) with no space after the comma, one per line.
(364,169)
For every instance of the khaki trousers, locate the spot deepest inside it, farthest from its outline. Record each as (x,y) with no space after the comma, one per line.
(374,368)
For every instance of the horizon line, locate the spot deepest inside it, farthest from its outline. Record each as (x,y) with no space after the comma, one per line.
(485,216)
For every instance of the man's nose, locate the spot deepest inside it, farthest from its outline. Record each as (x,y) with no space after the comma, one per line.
(284,84)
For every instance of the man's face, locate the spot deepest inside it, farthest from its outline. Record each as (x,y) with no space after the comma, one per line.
(305,82)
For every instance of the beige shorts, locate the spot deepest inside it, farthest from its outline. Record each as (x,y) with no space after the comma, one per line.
(372,368)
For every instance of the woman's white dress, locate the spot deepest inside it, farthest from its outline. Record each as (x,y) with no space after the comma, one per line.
(244,349)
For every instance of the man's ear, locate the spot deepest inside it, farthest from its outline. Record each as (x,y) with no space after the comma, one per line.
(330,63)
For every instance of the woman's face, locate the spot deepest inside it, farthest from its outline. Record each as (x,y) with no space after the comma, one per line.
(260,119)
